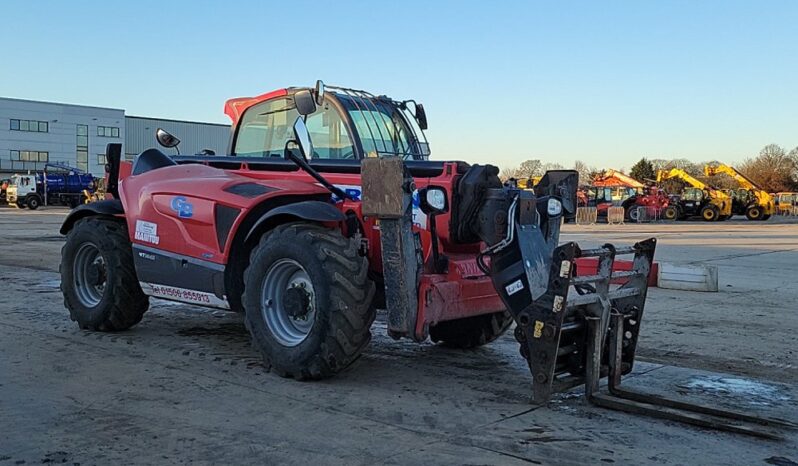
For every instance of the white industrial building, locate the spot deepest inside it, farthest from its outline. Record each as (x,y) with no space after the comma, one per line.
(34,133)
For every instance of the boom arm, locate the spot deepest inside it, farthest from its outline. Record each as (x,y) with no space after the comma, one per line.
(680,174)
(732,172)
(762,196)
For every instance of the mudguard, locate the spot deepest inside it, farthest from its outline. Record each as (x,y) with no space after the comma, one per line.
(314,211)
(107,208)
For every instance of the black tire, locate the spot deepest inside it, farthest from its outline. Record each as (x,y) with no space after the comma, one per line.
(33,202)
(765,217)
(754,213)
(471,331)
(341,318)
(122,303)
(20,205)
(670,213)
(710,213)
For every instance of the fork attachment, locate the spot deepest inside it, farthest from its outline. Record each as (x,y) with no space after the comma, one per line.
(575,329)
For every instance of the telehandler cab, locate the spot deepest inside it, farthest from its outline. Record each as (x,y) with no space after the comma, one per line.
(326,210)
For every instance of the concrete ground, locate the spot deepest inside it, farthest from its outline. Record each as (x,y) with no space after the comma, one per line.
(185,386)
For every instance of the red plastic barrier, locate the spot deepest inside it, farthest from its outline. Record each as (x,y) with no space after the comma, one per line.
(589,266)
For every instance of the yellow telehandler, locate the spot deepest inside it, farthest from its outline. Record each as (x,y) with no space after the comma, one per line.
(698,199)
(749,199)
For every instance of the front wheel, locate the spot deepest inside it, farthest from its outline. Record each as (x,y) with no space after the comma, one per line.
(98,279)
(670,213)
(307,300)
(471,332)
(710,213)
(754,213)
(33,202)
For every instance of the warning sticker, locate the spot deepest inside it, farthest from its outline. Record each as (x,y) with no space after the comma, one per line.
(147,232)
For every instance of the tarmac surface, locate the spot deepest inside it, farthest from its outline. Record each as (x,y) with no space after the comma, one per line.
(185,385)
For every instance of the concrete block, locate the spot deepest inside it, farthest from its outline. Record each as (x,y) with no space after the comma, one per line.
(687,277)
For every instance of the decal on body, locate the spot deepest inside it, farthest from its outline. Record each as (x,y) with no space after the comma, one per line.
(183,208)
(147,232)
(419,217)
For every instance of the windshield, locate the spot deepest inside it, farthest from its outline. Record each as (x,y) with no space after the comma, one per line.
(382,127)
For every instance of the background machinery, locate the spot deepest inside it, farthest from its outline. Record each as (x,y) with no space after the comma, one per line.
(697,199)
(749,200)
(58,184)
(327,210)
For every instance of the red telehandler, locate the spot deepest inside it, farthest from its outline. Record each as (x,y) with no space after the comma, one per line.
(328,209)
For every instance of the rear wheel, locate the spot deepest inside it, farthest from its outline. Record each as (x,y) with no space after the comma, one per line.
(710,213)
(765,217)
(98,279)
(307,300)
(471,331)
(754,213)
(633,213)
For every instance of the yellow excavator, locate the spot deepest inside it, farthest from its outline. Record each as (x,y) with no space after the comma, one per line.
(698,199)
(749,200)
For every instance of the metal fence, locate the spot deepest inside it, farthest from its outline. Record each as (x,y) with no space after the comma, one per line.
(586,215)
(616,215)
(645,214)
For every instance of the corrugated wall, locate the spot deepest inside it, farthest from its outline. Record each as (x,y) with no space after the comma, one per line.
(194,137)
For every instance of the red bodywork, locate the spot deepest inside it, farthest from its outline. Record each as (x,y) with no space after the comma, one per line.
(462,291)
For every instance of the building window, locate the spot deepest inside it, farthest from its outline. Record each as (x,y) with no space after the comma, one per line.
(30,156)
(34,126)
(82,148)
(108,131)
(29,159)
(101,160)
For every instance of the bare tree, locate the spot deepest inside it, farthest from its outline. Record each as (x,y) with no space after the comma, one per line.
(773,169)
(585,172)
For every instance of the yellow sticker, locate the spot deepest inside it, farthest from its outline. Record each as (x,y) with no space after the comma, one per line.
(538,329)
(558,301)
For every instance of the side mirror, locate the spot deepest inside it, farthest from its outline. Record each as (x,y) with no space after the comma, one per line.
(165,139)
(302,137)
(304,103)
(433,200)
(318,93)
(421,117)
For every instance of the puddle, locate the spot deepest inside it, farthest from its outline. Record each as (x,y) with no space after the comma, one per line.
(755,393)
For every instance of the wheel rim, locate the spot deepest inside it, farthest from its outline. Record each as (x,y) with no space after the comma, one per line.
(89,275)
(709,215)
(282,276)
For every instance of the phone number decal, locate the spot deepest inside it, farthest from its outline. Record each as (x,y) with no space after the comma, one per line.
(188,295)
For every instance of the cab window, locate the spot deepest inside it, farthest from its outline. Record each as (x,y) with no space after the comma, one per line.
(266,127)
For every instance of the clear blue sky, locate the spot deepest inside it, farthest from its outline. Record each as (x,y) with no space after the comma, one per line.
(605,82)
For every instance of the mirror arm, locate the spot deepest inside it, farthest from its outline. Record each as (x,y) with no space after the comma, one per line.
(304,165)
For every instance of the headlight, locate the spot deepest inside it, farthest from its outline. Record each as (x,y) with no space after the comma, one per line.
(554,208)
(436,198)
(433,200)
